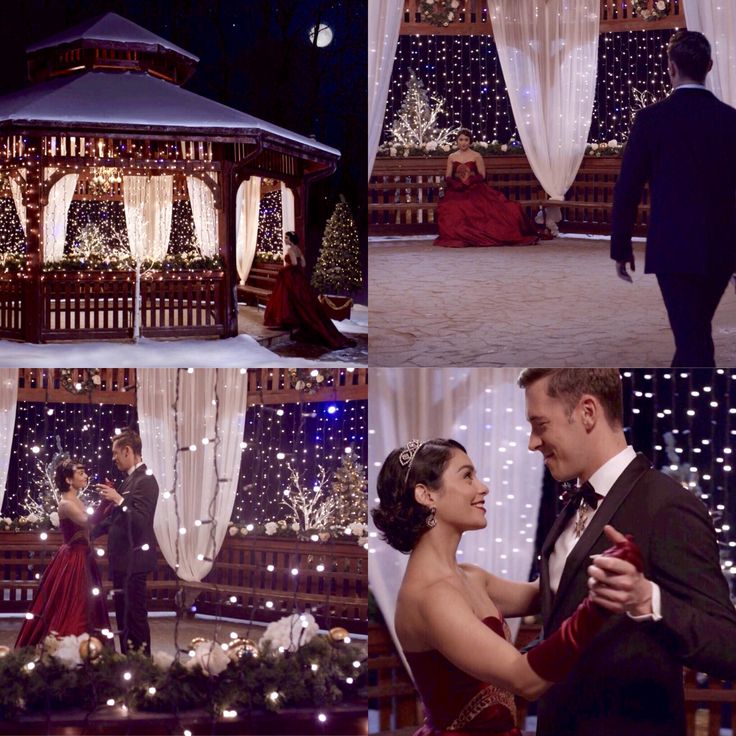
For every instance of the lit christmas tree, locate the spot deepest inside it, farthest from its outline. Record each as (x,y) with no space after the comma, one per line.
(338,267)
(416,122)
(349,489)
(270,246)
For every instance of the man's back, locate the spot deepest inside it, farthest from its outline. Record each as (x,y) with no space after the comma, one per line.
(685,146)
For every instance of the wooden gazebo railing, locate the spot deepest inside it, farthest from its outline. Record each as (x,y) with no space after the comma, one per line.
(403,193)
(118,386)
(472,18)
(336,595)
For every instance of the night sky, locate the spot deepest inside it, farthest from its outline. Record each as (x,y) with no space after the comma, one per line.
(255,56)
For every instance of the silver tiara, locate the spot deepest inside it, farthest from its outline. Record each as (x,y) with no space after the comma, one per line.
(408,453)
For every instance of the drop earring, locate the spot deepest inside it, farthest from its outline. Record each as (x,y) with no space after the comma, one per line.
(431,518)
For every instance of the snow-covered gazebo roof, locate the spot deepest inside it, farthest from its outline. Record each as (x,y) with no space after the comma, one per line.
(109,75)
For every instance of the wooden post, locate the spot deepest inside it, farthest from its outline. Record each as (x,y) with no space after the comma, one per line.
(227,230)
(33,308)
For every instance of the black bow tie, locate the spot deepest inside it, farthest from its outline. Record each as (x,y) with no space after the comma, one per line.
(576,496)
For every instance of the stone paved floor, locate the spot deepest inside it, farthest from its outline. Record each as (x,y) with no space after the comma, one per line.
(558,304)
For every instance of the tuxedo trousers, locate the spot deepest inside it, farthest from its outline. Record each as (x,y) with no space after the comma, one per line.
(691,301)
(131,610)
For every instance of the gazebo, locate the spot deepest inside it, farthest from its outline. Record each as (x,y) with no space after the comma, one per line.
(106,118)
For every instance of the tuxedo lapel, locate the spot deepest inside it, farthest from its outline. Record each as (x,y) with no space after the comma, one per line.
(549,544)
(580,553)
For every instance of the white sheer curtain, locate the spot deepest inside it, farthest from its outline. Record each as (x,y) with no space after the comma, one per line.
(55,216)
(716,19)
(197,482)
(20,208)
(384,21)
(484,410)
(288,216)
(149,203)
(247,209)
(204,215)
(549,57)
(8,402)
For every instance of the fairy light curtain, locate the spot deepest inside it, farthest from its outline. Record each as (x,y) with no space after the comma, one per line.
(148,211)
(191,424)
(56,215)
(548,53)
(18,199)
(484,410)
(717,20)
(204,214)
(8,403)
(384,21)
(247,206)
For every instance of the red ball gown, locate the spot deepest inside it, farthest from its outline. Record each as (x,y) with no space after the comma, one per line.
(294,306)
(473,213)
(64,602)
(456,703)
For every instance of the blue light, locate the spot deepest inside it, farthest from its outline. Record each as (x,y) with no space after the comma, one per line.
(331,409)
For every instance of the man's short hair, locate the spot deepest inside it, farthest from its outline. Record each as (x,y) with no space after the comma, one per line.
(569,385)
(128,438)
(690,52)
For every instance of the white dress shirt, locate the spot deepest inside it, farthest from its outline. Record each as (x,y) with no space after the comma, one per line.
(602,481)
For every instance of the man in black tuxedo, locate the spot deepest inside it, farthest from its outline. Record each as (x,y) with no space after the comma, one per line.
(629,679)
(685,148)
(131,543)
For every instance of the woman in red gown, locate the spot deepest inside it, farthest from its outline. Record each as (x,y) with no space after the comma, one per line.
(65,602)
(294,306)
(471,212)
(450,617)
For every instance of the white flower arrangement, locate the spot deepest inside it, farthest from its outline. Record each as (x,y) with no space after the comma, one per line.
(162,660)
(65,649)
(660,10)
(271,528)
(291,632)
(54,519)
(210,657)
(439,12)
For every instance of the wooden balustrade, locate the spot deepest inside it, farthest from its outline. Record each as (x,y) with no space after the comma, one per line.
(118,386)
(403,193)
(337,596)
(101,304)
(11,305)
(472,18)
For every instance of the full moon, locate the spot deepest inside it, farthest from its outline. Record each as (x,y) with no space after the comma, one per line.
(324,35)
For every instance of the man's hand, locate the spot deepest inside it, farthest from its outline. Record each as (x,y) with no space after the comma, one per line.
(617,585)
(621,271)
(107,492)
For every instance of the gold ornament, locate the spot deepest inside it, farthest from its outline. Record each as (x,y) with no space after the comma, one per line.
(90,649)
(4,650)
(195,641)
(338,633)
(242,647)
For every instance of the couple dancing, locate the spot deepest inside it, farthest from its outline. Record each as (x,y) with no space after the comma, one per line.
(619,623)
(65,602)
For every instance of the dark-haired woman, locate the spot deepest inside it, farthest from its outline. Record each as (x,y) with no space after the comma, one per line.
(450,617)
(471,212)
(294,306)
(69,599)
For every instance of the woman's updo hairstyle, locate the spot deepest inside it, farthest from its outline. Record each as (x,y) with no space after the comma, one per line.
(293,237)
(466,132)
(400,517)
(64,471)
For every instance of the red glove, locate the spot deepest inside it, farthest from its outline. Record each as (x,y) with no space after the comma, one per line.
(475,179)
(455,184)
(553,659)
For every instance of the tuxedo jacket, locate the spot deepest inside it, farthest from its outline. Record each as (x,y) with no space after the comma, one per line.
(629,679)
(685,147)
(129,526)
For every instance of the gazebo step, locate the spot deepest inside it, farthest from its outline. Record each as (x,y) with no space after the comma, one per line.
(253,295)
